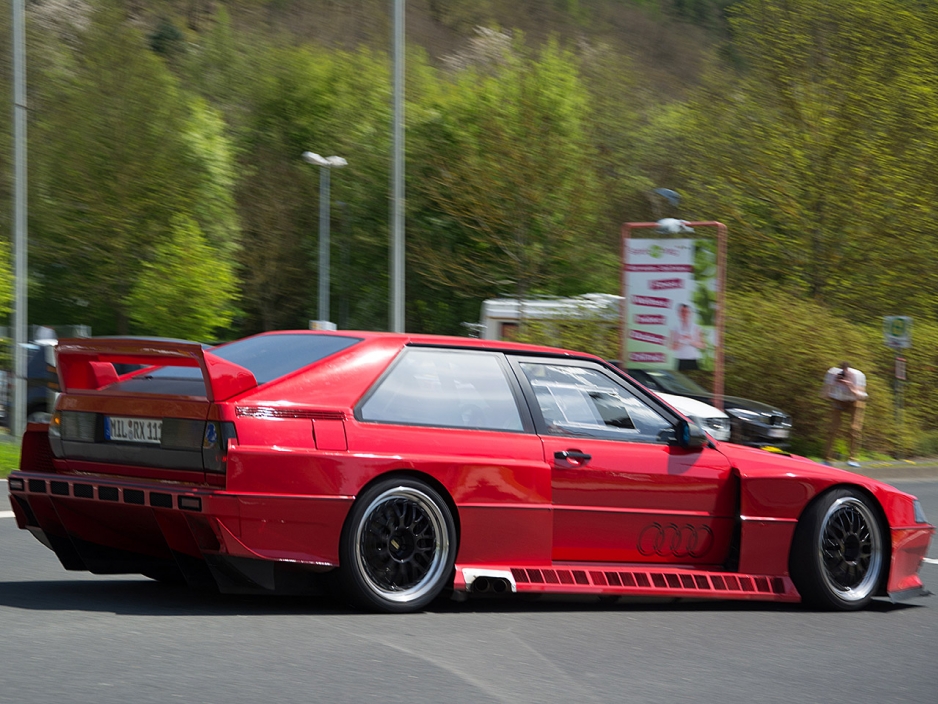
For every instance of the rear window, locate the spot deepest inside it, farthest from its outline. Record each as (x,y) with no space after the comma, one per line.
(270,357)
(267,357)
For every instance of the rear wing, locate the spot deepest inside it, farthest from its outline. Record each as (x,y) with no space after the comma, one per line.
(88,363)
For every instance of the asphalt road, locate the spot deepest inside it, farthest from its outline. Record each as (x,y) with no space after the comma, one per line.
(70,637)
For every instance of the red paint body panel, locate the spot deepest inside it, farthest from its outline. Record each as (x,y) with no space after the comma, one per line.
(608,510)
(486,530)
(637,519)
(909,546)
(330,435)
(300,529)
(764,546)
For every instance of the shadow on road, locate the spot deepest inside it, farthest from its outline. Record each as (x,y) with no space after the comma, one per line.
(143,598)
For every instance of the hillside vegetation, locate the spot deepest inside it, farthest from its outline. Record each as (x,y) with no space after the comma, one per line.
(167,193)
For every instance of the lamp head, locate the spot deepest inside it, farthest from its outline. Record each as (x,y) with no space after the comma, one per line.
(315,159)
(673,226)
(335,162)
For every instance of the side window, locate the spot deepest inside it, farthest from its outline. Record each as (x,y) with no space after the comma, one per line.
(580,401)
(448,388)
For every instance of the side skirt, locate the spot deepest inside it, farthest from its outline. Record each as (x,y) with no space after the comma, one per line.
(629,580)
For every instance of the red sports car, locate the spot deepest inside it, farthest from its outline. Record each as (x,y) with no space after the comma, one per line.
(403,465)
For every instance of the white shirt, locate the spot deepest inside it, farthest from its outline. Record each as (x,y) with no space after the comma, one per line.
(684,339)
(841,392)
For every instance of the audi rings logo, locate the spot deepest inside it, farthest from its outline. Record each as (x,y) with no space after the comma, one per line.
(673,540)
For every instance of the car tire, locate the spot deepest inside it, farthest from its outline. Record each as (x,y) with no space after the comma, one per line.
(839,553)
(398,547)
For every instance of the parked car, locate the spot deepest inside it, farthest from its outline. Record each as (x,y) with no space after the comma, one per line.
(714,421)
(751,422)
(404,465)
(42,384)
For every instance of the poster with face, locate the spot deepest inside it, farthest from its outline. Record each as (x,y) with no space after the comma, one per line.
(671,303)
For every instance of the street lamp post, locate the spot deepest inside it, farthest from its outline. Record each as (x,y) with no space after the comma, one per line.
(326,164)
(20,299)
(396,322)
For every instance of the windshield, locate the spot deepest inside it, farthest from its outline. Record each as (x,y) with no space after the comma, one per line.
(675,382)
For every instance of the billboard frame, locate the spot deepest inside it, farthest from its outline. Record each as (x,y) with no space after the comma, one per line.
(721,296)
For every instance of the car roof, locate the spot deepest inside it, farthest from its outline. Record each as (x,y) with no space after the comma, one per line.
(443,340)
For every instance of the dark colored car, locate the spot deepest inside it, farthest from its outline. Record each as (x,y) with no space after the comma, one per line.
(42,384)
(751,422)
(395,468)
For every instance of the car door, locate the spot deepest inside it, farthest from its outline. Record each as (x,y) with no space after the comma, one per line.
(621,489)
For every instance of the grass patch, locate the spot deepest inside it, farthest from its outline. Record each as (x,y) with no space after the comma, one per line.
(9,457)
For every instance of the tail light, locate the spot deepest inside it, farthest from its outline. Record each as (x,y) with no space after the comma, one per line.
(218,434)
(71,425)
(78,426)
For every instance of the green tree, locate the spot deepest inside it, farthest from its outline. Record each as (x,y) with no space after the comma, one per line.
(186,290)
(209,159)
(120,151)
(331,103)
(822,153)
(505,178)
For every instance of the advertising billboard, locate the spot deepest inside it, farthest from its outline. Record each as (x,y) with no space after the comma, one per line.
(671,305)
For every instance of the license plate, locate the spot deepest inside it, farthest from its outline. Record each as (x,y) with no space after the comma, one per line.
(778,432)
(121,429)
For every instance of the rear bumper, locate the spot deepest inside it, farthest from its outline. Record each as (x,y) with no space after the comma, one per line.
(208,537)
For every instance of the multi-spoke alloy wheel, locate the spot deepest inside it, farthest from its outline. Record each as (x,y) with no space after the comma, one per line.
(850,549)
(838,556)
(398,546)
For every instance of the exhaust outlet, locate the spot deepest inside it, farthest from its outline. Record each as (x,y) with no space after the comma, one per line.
(487,580)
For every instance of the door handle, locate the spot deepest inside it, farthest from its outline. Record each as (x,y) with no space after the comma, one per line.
(574,458)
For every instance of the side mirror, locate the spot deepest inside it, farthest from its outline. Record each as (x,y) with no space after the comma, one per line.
(689,435)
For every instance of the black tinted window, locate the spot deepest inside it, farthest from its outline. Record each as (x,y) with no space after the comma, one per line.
(267,357)
(270,357)
(449,388)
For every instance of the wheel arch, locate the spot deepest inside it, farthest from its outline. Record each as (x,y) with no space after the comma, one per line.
(429,479)
(878,510)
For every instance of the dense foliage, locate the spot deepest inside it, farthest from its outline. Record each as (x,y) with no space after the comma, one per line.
(167,193)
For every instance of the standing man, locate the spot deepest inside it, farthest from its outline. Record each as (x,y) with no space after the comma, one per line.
(846,389)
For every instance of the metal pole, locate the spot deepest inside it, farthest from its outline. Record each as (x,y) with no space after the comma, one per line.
(624,304)
(718,371)
(18,424)
(324,243)
(397,186)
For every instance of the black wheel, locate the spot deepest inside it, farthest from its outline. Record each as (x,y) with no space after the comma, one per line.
(838,558)
(398,547)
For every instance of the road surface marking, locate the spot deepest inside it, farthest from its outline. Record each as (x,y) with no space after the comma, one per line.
(930,560)
(6,514)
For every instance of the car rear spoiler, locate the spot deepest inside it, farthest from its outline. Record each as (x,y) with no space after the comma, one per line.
(88,363)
